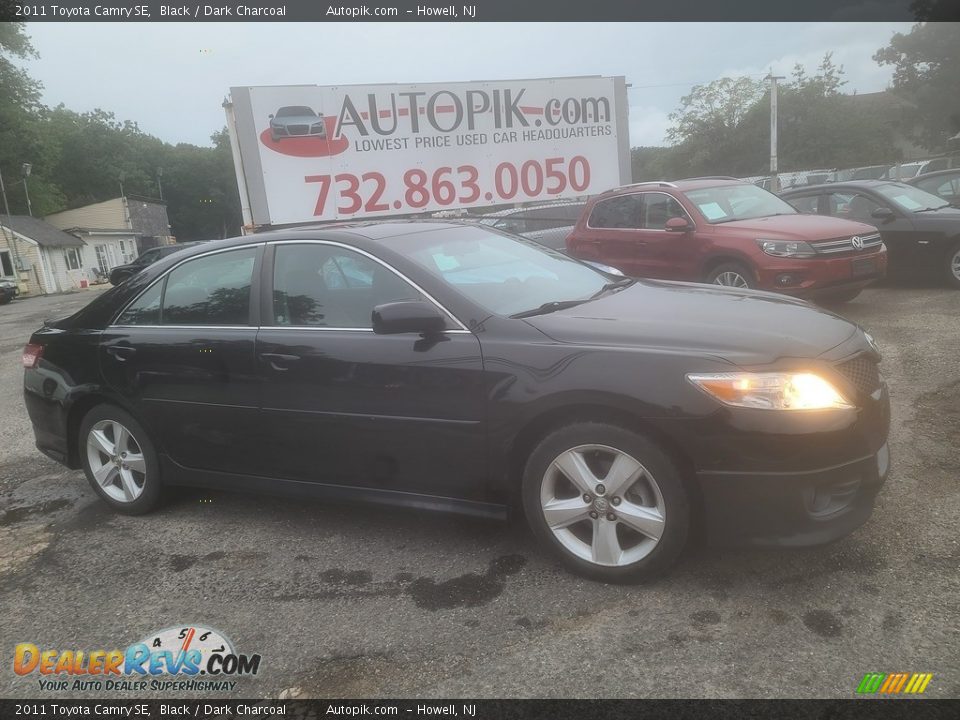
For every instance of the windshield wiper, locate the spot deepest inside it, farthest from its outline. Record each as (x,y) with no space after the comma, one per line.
(549,308)
(614,285)
(939,207)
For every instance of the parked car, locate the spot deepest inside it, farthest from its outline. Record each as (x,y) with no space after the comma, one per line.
(727,232)
(122,273)
(920,230)
(8,291)
(296,121)
(870,172)
(942,183)
(463,369)
(532,219)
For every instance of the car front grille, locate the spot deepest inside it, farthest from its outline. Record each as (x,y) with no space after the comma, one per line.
(298,129)
(863,372)
(845,244)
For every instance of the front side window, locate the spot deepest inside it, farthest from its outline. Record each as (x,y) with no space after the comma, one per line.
(617,212)
(317,285)
(727,203)
(853,206)
(658,208)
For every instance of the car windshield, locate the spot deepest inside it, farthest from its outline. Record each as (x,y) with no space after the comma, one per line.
(911,199)
(505,275)
(294,111)
(726,203)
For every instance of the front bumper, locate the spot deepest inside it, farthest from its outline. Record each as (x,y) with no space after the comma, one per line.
(792,509)
(813,277)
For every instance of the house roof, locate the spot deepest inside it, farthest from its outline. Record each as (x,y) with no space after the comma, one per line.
(39,231)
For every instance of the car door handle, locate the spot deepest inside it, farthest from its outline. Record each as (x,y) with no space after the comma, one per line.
(279,361)
(122,352)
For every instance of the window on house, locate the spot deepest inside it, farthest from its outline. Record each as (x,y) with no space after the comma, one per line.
(6,267)
(102,258)
(71,257)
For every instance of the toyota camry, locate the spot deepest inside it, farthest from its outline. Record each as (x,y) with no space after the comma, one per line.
(454,367)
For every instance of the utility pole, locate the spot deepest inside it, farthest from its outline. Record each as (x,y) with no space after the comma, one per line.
(159,186)
(11,241)
(26,168)
(774,177)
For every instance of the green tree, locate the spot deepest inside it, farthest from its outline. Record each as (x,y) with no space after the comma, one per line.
(926,72)
(22,139)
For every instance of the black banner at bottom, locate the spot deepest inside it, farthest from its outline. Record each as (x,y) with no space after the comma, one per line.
(913,708)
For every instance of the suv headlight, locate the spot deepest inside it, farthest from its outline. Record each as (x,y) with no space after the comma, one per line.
(772,390)
(786,248)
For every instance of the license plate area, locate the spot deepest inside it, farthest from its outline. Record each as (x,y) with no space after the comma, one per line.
(863,266)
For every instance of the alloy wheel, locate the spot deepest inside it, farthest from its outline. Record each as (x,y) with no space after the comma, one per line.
(602,505)
(116,461)
(731,278)
(955,264)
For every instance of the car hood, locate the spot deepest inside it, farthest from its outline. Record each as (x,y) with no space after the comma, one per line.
(799,227)
(745,327)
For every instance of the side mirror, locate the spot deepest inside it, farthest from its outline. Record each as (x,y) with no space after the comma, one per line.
(270,116)
(407,317)
(883,213)
(678,224)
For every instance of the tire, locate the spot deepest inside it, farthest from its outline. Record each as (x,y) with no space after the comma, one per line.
(953,266)
(841,297)
(133,490)
(726,271)
(4,298)
(596,547)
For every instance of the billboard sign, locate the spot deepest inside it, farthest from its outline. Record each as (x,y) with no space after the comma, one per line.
(308,153)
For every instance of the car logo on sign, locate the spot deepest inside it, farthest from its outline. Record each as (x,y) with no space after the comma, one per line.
(857,242)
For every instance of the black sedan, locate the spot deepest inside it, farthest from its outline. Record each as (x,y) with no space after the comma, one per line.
(921,231)
(454,367)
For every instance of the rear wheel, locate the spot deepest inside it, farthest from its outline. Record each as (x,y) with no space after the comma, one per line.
(953,266)
(732,275)
(119,460)
(609,502)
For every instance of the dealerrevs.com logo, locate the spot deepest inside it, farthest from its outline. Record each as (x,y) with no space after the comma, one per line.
(189,657)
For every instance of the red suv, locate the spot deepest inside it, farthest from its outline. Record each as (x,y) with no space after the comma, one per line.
(728,232)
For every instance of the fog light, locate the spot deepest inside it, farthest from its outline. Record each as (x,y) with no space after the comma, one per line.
(788,279)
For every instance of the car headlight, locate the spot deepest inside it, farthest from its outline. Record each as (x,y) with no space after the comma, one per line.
(786,248)
(772,390)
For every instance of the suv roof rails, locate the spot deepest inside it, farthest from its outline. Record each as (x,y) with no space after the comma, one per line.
(660,183)
(711,177)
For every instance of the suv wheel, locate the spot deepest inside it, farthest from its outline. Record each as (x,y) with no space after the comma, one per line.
(609,502)
(119,460)
(953,266)
(731,275)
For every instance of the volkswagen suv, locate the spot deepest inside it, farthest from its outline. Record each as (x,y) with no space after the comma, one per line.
(727,232)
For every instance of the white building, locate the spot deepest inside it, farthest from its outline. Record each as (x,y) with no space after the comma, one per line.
(39,257)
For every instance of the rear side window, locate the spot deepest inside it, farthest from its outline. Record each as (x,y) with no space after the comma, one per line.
(807,205)
(210,290)
(617,212)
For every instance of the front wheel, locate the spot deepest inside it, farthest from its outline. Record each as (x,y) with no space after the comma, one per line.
(120,460)
(953,266)
(609,502)
(732,275)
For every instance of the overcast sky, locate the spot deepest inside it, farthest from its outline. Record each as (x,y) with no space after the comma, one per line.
(171,78)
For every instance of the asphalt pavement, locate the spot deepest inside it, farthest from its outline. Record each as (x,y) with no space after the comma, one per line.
(354,601)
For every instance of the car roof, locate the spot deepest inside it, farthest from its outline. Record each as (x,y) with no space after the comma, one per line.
(933,174)
(682,185)
(852,184)
(546,206)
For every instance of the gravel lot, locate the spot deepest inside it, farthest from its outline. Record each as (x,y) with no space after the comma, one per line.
(352,601)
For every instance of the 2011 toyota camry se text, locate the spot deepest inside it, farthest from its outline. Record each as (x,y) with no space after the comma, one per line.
(451,366)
